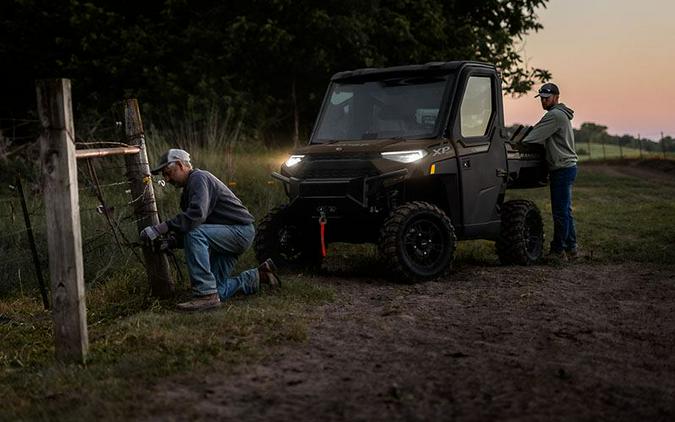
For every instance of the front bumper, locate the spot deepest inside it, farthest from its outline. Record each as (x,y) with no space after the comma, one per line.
(359,190)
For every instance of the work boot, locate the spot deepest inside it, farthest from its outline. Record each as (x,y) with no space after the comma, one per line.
(556,257)
(267,272)
(200,303)
(572,254)
(267,266)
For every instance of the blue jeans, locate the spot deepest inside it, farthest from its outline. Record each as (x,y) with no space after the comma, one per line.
(211,251)
(564,230)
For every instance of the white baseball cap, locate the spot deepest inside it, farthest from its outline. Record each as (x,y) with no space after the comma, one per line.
(171,156)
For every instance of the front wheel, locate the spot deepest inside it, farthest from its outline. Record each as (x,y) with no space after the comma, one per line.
(521,237)
(417,242)
(286,242)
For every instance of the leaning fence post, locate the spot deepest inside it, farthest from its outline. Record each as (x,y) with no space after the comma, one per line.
(31,243)
(143,197)
(59,173)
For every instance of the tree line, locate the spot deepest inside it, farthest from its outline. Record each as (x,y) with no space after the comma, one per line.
(269,59)
(597,134)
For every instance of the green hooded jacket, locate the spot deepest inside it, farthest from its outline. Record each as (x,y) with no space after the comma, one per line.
(554,132)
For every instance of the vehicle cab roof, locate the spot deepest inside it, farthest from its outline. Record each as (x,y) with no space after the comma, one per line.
(431,67)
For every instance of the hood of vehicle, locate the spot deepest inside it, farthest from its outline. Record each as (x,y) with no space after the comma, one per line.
(366,146)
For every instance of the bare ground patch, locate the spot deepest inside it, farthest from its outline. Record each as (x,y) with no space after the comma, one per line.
(581,341)
(661,171)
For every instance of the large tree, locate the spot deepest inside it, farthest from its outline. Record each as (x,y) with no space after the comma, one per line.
(272,57)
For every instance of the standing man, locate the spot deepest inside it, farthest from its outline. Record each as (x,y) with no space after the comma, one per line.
(554,132)
(216,229)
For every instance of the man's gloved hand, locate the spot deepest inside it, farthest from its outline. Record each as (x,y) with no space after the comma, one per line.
(151,233)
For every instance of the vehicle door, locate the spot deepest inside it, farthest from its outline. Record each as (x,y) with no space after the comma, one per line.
(476,124)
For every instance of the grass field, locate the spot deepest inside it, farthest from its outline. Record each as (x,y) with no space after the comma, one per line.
(136,340)
(598,152)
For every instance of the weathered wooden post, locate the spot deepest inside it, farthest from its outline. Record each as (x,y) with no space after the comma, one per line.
(640,145)
(143,193)
(59,175)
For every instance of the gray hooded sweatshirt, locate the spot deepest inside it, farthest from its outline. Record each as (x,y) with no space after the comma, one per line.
(554,132)
(206,200)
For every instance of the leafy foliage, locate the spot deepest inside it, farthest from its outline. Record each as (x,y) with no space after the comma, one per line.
(179,56)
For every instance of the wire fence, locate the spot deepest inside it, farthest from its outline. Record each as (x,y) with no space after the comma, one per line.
(109,237)
(108,212)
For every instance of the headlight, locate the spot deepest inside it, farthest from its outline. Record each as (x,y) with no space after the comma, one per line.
(405,156)
(293,160)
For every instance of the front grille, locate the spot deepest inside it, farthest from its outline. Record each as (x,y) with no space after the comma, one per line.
(337,169)
(346,156)
(324,189)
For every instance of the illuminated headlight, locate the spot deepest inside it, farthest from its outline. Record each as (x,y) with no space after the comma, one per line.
(405,156)
(293,160)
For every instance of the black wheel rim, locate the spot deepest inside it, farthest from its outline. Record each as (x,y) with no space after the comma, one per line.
(424,243)
(533,235)
(289,244)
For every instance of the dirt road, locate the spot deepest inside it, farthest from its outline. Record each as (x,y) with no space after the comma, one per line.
(577,342)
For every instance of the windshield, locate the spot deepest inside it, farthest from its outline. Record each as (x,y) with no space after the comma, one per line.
(396,107)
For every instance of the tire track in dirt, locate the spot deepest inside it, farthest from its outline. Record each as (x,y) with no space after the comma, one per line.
(579,341)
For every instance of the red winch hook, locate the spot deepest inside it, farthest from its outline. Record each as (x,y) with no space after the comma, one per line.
(322,225)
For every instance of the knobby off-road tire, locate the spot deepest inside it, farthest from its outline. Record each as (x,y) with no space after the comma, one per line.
(288,244)
(521,238)
(417,242)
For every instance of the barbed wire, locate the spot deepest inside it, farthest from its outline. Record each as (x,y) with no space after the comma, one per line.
(7,235)
(139,197)
(104,209)
(107,185)
(6,262)
(91,240)
(6,200)
(13,119)
(17,212)
(13,138)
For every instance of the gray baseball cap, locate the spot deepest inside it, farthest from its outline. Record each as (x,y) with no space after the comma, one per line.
(547,90)
(172,155)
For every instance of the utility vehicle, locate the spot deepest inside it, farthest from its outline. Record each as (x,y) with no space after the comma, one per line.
(413,159)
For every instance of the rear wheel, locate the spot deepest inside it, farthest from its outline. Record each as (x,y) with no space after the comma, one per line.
(521,238)
(286,242)
(417,242)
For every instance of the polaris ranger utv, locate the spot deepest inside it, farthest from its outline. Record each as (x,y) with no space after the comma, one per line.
(412,158)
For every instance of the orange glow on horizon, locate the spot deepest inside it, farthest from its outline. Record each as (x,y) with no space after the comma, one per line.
(613,63)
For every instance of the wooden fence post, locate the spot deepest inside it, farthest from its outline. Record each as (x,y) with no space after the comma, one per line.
(640,145)
(143,193)
(59,173)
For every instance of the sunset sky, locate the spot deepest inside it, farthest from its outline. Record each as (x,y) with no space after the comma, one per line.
(614,61)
